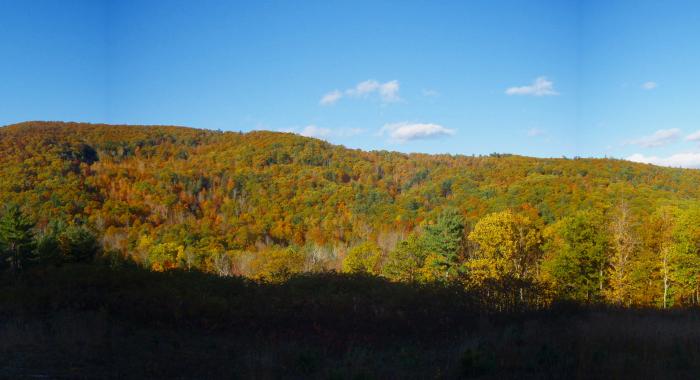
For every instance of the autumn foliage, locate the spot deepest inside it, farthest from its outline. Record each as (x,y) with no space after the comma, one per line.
(269,205)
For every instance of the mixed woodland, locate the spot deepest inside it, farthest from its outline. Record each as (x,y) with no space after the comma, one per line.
(179,253)
(269,206)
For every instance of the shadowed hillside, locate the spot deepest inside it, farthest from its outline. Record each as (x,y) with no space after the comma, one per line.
(82,321)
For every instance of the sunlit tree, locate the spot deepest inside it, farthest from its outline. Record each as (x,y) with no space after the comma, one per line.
(623,248)
(444,242)
(363,258)
(404,262)
(577,256)
(508,245)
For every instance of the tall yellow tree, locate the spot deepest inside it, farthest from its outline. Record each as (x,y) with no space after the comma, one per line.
(684,261)
(661,225)
(624,244)
(508,246)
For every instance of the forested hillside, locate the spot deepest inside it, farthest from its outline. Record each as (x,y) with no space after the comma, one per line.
(267,205)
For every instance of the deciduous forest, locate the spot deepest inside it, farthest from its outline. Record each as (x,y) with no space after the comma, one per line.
(225,222)
(267,205)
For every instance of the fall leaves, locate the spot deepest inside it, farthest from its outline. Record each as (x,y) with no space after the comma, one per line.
(269,205)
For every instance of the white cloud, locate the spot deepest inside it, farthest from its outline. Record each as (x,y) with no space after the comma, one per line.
(540,87)
(331,97)
(388,92)
(683,160)
(363,88)
(314,131)
(403,132)
(649,85)
(430,93)
(695,136)
(659,138)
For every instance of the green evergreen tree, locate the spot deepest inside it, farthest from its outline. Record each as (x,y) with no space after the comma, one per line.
(16,239)
(48,245)
(444,240)
(78,244)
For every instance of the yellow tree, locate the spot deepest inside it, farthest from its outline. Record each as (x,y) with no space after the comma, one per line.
(363,258)
(624,244)
(508,246)
(277,264)
(662,224)
(166,256)
(685,257)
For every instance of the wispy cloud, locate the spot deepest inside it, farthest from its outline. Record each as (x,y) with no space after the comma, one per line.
(540,87)
(695,136)
(348,132)
(388,92)
(649,85)
(430,93)
(659,138)
(405,131)
(363,88)
(331,97)
(535,132)
(315,131)
(683,160)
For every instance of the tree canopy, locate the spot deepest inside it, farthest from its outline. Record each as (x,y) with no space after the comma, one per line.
(267,205)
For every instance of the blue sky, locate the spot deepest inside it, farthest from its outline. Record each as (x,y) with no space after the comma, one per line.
(543,78)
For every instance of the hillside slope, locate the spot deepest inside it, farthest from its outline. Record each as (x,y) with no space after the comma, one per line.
(280,187)
(207,196)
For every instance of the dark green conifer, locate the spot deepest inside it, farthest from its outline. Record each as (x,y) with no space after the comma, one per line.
(16,239)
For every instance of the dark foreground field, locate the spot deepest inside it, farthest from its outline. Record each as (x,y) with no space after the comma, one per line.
(95,322)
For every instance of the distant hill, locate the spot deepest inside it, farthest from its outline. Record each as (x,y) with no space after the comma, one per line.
(264,187)
(211,191)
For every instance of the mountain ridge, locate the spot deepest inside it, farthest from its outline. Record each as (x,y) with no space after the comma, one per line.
(59,124)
